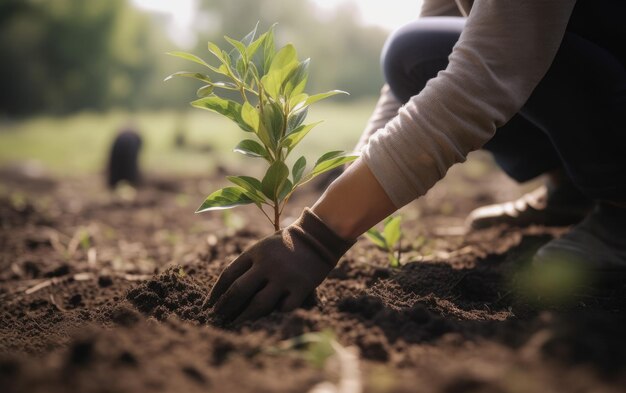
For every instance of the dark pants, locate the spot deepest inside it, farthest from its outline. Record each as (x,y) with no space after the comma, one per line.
(576,117)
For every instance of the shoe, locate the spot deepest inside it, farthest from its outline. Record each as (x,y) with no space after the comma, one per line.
(550,206)
(596,246)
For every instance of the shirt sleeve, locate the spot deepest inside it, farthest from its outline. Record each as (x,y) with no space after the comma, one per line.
(440,8)
(385,110)
(505,49)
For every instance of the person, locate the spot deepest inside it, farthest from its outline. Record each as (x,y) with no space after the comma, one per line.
(541,84)
(123,163)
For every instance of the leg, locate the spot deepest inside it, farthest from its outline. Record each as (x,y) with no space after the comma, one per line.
(581,105)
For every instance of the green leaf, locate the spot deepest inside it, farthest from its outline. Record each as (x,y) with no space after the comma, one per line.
(246,182)
(298,169)
(241,67)
(329,164)
(226,85)
(190,57)
(285,57)
(391,230)
(297,102)
(393,260)
(377,238)
(296,80)
(238,56)
(328,155)
(296,118)
(205,91)
(273,123)
(250,115)
(284,190)
(274,178)
(251,185)
(251,148)
(293,138)
(254,46)
(188,74)
(268,49)
(317,97)
(250,36)
(283,64)
(217,52)
(228,108)
(239,46)
(225,198)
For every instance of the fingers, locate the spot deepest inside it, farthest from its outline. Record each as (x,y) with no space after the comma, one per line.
(231,273)
(263,303)
(239,294)
(293,301)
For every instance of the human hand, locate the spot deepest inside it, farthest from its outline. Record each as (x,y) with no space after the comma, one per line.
(279,271)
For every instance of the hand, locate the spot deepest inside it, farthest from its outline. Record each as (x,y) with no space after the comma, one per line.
(279,271)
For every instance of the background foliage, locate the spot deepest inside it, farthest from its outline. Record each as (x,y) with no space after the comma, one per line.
(63,56)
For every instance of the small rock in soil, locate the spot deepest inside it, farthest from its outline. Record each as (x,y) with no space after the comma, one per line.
(105,281)
(76,300)
(58,271)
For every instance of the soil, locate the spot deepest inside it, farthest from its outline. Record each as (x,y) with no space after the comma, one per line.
(104,292)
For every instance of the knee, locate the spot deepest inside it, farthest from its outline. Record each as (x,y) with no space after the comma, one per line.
(416,51)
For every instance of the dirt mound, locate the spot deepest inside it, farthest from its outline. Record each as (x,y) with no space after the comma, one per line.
(172,291)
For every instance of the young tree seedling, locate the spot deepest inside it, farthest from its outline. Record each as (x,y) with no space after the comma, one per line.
(388,238)
(271,108)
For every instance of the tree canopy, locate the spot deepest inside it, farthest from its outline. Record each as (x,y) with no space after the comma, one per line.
(61,56)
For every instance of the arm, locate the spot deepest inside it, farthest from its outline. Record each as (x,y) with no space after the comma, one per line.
(505,49)
(354,202)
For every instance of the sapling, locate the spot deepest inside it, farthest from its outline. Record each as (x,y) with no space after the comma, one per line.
(388,238)
(271,107)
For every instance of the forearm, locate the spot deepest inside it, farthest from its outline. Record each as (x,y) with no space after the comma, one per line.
(354,202)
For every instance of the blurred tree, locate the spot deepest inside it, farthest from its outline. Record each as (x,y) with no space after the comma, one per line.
(63,55)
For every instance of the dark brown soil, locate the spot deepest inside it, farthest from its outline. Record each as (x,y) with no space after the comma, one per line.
(105,293)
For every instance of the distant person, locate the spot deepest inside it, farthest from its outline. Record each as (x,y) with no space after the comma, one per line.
(123,162)
(540,83)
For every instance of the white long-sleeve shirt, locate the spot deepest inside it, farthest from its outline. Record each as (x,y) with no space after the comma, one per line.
(504,50)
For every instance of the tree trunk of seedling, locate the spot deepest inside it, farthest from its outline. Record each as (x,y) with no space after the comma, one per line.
(276,217)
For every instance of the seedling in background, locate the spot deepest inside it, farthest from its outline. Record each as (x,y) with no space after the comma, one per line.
(388,238)
(271,108)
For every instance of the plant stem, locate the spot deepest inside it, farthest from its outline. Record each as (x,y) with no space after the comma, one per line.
(276,216)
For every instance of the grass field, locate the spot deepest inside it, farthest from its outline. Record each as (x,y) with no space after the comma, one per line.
(79,144)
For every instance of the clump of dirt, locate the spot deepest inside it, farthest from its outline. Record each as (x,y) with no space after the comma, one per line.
(172,291)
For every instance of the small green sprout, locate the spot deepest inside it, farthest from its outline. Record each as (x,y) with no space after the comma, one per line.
(316,347)
(271,108)
(388,238)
